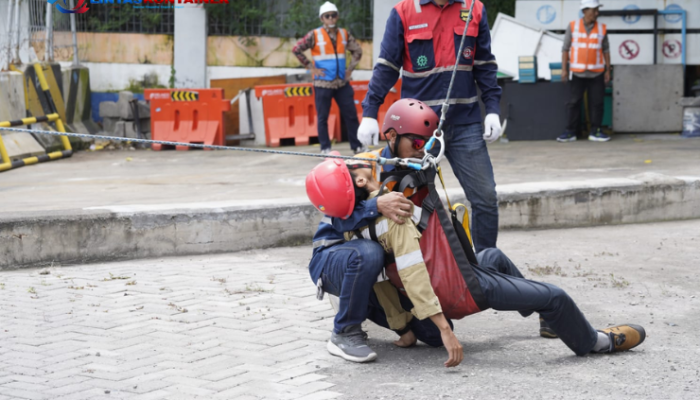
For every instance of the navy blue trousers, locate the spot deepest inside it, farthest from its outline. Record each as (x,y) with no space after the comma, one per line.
(345,98)
(507,290)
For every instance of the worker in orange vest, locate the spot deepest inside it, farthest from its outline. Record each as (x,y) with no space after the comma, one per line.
(586,53)
(328,45)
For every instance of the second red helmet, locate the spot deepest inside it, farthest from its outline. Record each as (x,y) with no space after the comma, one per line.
(330,188)
(411,116)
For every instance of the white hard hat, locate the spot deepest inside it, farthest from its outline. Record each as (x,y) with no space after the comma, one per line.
(590,4)
(327,7)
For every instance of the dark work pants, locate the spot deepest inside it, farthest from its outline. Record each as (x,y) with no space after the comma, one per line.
(350,270)
(513,293)
(596,97)
(345,98)
(507,290)
(425,330)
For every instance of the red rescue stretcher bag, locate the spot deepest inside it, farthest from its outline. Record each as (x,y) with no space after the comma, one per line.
(447,251)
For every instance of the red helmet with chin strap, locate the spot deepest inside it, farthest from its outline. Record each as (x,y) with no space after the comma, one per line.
(411,116)
(330,189)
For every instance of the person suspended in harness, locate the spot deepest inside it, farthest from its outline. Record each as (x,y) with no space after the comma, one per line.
(433,260)
(407,128)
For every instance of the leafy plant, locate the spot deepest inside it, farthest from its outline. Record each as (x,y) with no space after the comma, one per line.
(493,7)
(293,18)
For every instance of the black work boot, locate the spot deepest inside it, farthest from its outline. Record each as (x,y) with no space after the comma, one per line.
(351,344)
(546,331)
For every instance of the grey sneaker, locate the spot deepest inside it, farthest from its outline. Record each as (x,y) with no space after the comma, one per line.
(351,345)
(325,151)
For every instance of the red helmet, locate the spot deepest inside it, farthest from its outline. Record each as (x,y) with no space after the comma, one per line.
(411,116)
(330,189)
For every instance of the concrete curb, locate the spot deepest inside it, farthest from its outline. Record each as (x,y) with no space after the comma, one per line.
(129,232)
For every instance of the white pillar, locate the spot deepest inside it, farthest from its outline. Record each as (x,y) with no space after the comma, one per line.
(48,47)
(382,9)
(76,61)
(6,34)
(190,47)
(15,40)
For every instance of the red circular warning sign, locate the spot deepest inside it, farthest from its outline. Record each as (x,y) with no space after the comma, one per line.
(629,49)
(672,48)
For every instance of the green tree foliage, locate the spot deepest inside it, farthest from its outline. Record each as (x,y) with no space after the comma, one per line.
(493,7)
(290,18)
(117,19)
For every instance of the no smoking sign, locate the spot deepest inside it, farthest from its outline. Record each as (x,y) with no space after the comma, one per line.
(672,48)
(629,49)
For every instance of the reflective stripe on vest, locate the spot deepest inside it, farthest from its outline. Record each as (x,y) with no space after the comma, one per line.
(586,53)
(330,59)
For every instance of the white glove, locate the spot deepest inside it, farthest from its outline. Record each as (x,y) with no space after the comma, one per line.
(492,128)
(368,132)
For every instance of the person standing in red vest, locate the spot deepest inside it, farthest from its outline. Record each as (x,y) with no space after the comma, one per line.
(421,44)
(328,45)
(586,53)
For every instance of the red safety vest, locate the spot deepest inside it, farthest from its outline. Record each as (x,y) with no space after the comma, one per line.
(438,25)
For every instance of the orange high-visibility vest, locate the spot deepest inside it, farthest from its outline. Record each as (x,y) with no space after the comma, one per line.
(328,58)
(586,53)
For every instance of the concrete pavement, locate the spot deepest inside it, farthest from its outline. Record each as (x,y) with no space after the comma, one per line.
(247,326)
(111,179)
(135,204)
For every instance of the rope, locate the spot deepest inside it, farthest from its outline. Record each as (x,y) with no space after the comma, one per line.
(381,160)
(446,105)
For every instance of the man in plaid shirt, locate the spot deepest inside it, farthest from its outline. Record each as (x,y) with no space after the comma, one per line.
(328,45)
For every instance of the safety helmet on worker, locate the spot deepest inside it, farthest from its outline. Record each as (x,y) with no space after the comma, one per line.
(327,7)
(590,4)
(330,188)
(411,116)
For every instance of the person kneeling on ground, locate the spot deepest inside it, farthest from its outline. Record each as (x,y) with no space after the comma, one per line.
(503,292)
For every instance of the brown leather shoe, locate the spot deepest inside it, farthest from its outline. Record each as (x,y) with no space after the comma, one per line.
(625,337)
(546,331)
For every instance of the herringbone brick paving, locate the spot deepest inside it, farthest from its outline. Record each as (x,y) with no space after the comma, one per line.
(242,326)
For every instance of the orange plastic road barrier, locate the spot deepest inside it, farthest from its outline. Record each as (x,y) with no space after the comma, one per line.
(187,115)
(361,87)
(290,113)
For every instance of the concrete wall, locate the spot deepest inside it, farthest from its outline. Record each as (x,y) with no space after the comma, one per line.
(119,232)
(127,48)
(11,96)
(265,52)
(116,76)
(18,145)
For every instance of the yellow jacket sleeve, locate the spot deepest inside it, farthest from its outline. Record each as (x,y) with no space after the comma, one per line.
(388,297)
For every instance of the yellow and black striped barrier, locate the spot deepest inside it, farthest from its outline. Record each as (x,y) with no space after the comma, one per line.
(298,91)
(179,95)
(7,164)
